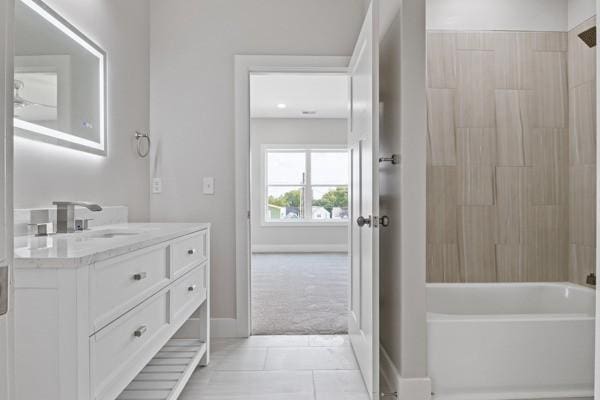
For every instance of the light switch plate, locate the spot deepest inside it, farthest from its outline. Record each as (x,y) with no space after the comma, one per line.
(208,185)
(156,185)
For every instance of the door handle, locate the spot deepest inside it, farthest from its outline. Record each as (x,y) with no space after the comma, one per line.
(362,221)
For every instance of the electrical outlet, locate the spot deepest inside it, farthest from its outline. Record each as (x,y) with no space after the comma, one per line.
(156,185)
(208,185)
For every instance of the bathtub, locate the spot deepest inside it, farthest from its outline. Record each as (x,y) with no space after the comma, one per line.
(510,341)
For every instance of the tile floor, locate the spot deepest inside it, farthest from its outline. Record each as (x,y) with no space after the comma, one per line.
(278,368)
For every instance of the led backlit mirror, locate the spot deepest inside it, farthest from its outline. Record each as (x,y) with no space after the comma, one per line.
(59,84)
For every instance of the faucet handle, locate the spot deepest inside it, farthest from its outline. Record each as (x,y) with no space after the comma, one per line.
(82,224)
(44,229)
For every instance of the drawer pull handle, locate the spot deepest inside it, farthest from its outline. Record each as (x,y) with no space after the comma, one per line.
(191,252)
(192,288)
(139,276)
(140,331)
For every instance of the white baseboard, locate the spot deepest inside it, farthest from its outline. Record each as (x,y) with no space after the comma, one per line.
(300,248)
(407,388)
(223,328)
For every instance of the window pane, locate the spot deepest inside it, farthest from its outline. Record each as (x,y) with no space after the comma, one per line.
(284,203)
(330,203)
(329,168)
(285,168)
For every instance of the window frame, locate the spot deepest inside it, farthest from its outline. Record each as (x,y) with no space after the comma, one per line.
(307,185)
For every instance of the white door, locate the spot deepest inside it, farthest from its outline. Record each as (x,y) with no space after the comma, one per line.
(6,79)
(363,142)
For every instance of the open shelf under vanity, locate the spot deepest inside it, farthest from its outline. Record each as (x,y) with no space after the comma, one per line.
(168,372)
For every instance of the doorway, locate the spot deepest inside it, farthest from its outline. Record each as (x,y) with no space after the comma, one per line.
(299,171)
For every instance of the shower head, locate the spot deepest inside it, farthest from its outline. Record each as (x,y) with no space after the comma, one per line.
(589,36)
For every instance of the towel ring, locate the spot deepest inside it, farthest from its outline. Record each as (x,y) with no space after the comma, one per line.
(139,136)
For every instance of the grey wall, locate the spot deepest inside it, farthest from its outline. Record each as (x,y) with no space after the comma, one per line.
(44,173)
(292,131)
(403,327)
(192,100)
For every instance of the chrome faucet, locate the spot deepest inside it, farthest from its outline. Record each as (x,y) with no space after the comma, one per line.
(65,214)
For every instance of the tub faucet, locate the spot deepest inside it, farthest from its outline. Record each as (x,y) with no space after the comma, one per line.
(65,214)
(591,279)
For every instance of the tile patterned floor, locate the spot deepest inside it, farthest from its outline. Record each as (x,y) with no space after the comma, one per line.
(278,368)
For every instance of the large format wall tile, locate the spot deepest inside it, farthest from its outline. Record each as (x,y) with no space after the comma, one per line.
(548,172)
(442,201)
(476,236)
(440,123)
(582,123)
(514,60)
(476,159)
(550,41)
(510,262)
(499,196)
(582,262)
(475,40)
(513,123)
(441,53)
(582,59)
(547,249)
(511,204)
(550,71)
(582,205)
(475,89)
(442,263)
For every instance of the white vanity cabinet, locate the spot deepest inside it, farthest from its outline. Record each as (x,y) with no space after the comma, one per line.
(134,325)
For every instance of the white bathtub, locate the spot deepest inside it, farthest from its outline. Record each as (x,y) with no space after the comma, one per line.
(510,341)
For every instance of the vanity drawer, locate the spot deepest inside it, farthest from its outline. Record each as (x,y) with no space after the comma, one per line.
(188,251)
(121,284)
(121,350)
(188,293)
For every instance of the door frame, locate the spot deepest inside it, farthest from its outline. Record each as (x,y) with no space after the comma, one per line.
(245,65)
(6,182)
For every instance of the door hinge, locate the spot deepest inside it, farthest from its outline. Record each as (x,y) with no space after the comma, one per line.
(248,214)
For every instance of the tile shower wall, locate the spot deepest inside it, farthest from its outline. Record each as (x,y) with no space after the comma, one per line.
(582,155)
(498,160)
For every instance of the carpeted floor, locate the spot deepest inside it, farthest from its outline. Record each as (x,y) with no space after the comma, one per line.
(299,294)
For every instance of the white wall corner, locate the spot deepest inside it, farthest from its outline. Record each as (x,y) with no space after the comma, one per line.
(223,328)
(406,388)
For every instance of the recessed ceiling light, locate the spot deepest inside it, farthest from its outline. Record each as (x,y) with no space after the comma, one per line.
(281,106)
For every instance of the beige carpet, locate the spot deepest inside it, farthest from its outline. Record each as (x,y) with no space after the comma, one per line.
(299,294)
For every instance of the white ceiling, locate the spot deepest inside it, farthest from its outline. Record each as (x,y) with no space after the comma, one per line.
(322,96)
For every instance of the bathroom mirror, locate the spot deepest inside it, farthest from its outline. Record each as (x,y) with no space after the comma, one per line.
(59,85)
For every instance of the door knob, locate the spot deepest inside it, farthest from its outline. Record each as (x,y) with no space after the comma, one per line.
(362,221)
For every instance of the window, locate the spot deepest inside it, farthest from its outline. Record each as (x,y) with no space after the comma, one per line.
(306,185)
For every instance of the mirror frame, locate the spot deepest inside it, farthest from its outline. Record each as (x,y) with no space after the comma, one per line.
(41,133)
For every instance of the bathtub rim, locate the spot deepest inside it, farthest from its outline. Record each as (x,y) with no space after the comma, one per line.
(537,317)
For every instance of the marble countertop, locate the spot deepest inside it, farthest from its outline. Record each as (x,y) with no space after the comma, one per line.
(72,250)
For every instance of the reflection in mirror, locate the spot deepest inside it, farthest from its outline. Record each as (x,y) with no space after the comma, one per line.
(59,84)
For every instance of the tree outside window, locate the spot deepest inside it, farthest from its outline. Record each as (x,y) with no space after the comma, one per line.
(295,178)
